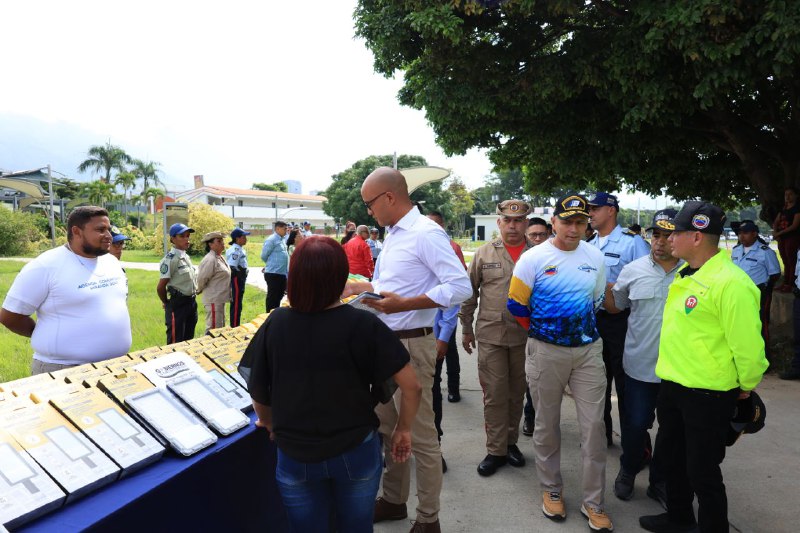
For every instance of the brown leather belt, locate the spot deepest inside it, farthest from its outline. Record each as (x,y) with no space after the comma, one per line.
(413,333)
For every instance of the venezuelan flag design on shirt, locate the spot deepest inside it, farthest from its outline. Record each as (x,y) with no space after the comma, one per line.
(559,291)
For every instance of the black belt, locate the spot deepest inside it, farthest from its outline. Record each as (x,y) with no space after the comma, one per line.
(413,333)
(177,294)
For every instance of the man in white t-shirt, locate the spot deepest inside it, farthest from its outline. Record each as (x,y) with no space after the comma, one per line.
(79,294)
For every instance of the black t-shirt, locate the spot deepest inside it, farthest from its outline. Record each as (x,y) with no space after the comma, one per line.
(787,217)
(317,370)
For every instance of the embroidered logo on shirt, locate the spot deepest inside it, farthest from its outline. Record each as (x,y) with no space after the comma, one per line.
(163,268)
(586,267)
(700,221)
(691,303)
(490,265)
(550,270)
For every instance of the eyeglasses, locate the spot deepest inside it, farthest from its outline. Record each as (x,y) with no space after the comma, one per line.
(368,204)
(118,244)
(537,235)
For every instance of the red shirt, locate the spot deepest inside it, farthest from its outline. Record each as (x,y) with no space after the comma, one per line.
(515,251)
(359,256)
(457,249)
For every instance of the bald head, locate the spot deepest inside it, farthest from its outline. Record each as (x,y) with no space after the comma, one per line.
(385,193)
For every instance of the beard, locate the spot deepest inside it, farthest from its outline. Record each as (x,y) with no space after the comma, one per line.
(92,250)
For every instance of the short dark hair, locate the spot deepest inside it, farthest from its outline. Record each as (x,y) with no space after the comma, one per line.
(318,270)
(81,215)
(536,221)
(436,214)
(280,224)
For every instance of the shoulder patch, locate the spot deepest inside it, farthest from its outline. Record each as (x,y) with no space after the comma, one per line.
(630,233)
(164,268)
(765,247)
(170,255)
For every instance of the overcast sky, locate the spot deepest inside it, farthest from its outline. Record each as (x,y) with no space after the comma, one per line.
(241,91)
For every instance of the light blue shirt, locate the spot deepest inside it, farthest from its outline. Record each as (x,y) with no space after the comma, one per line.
(275,255)
(445,322)
(375,247)
(759,262)
(236,257)
(620,248)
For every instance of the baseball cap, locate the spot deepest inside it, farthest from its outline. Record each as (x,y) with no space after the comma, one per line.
(664,219)
(748,225)
(570,205)
(750,417)
(178,228)
(604,199)
(210,236)
(373,230)
(236,233)
(117,236)
(700,216)
(513,208)
(306,223)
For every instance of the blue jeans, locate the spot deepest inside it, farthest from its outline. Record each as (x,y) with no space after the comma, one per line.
(640,412)
(340,490)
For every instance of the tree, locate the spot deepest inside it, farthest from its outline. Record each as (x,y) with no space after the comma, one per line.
(344,193)
(675,97)
(97,192)
(277,186)
(203,219)
(147,171)
(126,180)
(105,159)
(66,189)
(153,193)
(461,203)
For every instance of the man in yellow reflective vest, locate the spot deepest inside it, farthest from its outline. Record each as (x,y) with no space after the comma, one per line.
(710,354)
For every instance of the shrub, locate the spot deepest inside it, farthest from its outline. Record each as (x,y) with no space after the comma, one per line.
(203,219)
(19,234)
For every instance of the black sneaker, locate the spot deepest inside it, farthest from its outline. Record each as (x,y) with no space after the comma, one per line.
(658,492)
(623,485)
(792,373)
(527,427)
(661,523)
(444,465)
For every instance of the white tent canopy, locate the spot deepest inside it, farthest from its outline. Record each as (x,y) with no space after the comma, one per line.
(416,177)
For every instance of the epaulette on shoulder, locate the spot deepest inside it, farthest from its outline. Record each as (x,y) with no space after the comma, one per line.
(737,245)
(630,233)
(765,247)
(170,255)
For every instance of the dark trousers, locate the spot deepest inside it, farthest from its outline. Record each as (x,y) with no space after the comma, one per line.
(693,425)
(787,247)
(612,329)
(180,317)
(640,412)
(276,286)
(237,295)
(453,380)
(796,320)
(766,303)
(528,411)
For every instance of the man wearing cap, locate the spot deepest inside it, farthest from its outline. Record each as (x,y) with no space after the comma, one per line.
(307,229)
(760,262)
(177,287)
(214,279)
(236,257)
(117,243)
(554,293)
(500,340)
(359,258)
(710,354)
(375,246)
(78,294)
(417,272)
(275,255)
(642,287)
(619,248)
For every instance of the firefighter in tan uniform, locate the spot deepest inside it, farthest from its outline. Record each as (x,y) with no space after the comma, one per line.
(501,340)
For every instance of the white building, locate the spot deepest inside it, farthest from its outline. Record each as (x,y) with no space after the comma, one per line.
(258,210)
(486,225)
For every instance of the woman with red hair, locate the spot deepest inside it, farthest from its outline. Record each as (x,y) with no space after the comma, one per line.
(317,371)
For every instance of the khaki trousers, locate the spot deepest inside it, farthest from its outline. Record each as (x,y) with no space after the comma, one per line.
(501,371)
(215,316)
(550,368)
(424,438)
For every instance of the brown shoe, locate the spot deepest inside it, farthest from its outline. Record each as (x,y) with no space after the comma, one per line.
(598,519)
(389,511)
(553,506)
(423,527)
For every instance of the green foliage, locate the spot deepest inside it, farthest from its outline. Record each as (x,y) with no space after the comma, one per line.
(66,188)
(97,192)
(674,97)
(202,219)
(344,193)
(20,233)
(104,159)
(277,186)
(148,172)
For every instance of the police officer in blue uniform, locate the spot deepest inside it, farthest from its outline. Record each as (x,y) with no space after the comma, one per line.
(619,248)
(236,256)
(177,286)
(760,262)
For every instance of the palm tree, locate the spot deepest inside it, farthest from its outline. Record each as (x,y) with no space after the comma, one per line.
(154,193)
(105,159)
(97,192)
(147,171)
(126,180)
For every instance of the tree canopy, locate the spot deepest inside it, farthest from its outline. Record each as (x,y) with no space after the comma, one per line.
(104,159)
(692,99)
(278,186)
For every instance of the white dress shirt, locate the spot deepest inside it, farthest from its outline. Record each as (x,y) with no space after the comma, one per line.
(417,259)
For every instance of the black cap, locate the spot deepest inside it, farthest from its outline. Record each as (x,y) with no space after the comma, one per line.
(604,199)
(748,225)
(751,414)
(664,220)
(570,205)
(700,216)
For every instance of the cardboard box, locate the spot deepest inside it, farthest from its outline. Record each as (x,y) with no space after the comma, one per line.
(61,375)
(88,379)
(229,363)
(222,342)
(213,353)
(25,383)
(216,332)
(123,366)
(121,385)
(110,428)
(113,361)
(174,346)
(70,458)
(139,353)
(236,395)
(26,491)
(45,389)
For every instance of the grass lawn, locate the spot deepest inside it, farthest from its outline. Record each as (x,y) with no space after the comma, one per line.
(147,318)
